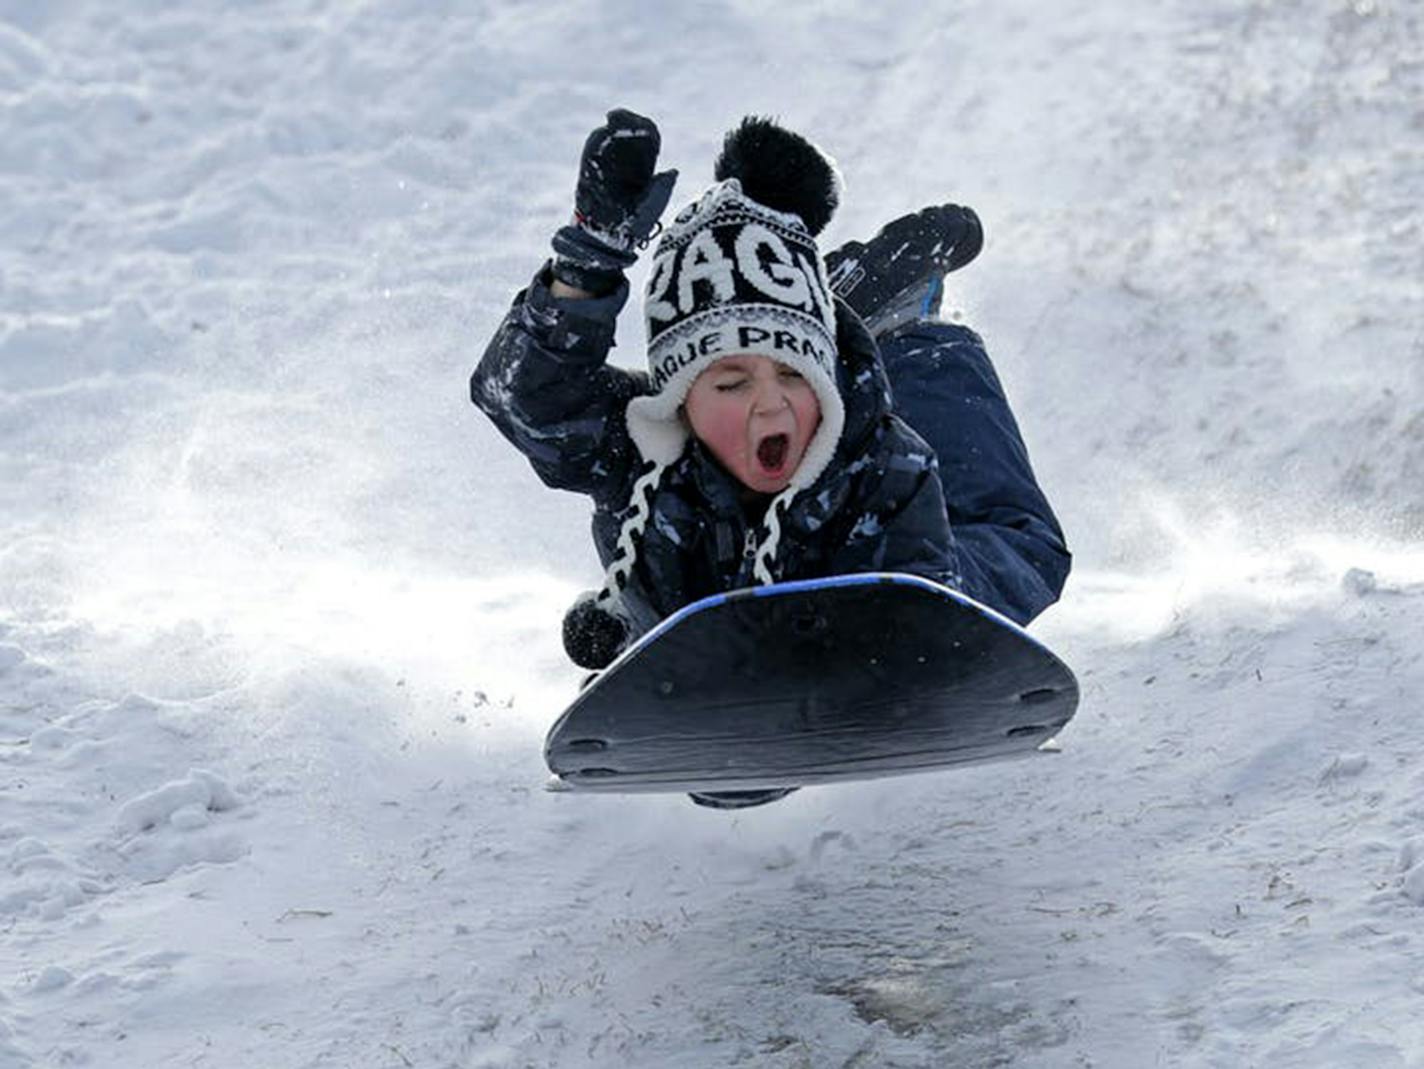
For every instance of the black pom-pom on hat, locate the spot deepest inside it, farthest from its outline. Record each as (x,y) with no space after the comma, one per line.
(780,169)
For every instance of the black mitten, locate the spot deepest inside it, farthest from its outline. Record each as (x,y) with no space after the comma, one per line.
(616,205)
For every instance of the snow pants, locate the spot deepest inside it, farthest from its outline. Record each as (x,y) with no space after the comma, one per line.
(1012,555)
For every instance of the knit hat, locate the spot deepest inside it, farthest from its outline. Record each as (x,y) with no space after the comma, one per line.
(731,275)
(736,272)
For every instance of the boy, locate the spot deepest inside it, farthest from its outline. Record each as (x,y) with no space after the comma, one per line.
(763,443)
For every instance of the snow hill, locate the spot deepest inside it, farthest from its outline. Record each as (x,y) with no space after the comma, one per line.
(278,610)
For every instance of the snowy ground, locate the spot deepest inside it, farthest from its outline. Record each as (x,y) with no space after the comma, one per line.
(278,612)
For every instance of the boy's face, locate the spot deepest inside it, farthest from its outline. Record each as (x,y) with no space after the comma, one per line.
(756,416)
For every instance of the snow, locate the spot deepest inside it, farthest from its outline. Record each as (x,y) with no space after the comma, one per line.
(279,612)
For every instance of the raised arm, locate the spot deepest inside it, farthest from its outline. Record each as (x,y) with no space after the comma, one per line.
(543,379)
(544,383)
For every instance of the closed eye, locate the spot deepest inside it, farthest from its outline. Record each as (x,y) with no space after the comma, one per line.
(730,386)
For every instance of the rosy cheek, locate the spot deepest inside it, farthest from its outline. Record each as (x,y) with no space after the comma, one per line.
(809,411)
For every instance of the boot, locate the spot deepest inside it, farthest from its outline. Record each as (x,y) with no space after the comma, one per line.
(897,277)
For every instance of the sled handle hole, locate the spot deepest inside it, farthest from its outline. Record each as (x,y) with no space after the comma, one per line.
(1028,729)
(1038,695)
(586,745)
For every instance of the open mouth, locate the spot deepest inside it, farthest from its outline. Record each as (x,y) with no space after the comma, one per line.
(772,451)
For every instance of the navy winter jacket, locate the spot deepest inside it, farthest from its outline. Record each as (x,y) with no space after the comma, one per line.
(878,506)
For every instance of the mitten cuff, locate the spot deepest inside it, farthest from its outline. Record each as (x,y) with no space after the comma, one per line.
(583,259)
